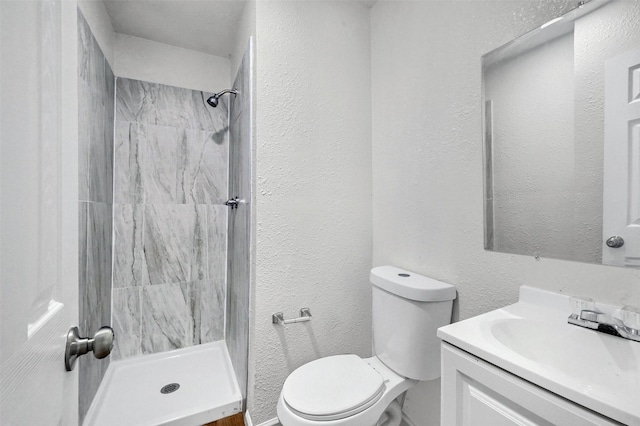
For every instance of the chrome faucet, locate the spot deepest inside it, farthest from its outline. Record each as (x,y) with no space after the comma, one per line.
(604,323)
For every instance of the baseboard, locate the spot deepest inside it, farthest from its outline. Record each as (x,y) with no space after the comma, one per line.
(272,422)
(247,419)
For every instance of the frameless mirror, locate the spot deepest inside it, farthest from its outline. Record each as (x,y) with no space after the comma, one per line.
(561,109)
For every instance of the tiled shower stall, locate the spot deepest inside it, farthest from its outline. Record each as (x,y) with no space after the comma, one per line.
(180,271)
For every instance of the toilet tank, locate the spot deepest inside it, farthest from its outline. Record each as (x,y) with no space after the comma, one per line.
(407,310)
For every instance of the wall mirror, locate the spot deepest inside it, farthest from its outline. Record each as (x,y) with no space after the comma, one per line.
(561,108)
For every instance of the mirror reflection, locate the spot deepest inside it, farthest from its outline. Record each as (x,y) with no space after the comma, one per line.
(562,138)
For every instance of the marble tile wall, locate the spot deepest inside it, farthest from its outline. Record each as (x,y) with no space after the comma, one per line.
(96,96)
(170,221)
(239,238)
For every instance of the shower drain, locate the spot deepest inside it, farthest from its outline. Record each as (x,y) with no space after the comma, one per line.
(170,388)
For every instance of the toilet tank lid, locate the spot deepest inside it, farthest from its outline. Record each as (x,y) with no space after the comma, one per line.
(411,285)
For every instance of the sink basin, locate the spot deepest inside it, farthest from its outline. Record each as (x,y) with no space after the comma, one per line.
(567,350)
(533,340)
(536,341)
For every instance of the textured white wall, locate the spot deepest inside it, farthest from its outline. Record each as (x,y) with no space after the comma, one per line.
(313,178)
(146,60)
(427,151)
(98,19)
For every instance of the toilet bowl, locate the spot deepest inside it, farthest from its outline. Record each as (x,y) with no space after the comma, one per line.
(346,390)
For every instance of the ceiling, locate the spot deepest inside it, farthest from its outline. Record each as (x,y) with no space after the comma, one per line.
(204,26)
(207,26)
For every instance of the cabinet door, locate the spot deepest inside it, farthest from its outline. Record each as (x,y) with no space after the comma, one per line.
(476,393)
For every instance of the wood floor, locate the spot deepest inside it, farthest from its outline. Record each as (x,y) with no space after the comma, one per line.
(235,420)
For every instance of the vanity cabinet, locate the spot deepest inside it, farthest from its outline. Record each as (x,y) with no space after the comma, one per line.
(477,393)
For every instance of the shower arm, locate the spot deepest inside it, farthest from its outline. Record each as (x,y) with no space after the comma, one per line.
(233,91)
(213,99)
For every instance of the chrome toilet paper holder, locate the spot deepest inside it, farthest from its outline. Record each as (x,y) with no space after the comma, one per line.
(278,317)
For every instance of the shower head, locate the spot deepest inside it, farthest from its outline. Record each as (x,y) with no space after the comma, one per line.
(213,100)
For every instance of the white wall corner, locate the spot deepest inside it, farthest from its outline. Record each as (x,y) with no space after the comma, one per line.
(245,30)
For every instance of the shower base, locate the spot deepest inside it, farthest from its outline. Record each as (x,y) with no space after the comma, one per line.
(184,387)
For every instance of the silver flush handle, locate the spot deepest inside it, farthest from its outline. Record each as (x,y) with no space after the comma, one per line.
(101,345)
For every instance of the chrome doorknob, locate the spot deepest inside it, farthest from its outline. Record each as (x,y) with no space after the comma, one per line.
(101,345)
(615,242)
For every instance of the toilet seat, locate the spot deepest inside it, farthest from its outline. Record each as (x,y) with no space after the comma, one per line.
(394,385)
(333,388)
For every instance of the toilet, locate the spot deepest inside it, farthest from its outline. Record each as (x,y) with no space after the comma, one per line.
(346,390)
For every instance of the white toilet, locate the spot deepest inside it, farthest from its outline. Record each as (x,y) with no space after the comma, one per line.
(346,390)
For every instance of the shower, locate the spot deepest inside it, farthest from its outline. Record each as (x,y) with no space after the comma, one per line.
(213,100)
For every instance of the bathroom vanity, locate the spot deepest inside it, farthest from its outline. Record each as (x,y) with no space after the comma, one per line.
(525,364)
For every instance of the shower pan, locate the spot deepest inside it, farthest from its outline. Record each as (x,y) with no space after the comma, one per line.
(168,389)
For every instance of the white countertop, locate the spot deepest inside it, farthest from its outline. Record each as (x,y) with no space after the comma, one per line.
(533,340)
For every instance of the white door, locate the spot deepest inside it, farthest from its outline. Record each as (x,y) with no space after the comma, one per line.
(38,211)
(621,198)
